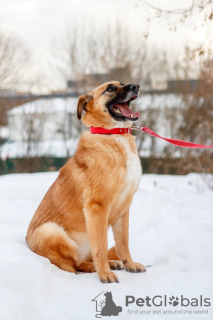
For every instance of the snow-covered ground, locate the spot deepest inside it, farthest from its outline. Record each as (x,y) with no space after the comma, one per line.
(171,228)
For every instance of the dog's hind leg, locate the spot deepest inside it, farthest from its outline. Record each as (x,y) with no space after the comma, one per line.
(112,255)
(86,266)
(114,260)
(50,240)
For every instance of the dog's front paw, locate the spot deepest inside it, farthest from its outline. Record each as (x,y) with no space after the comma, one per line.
(109,277)
(134,266)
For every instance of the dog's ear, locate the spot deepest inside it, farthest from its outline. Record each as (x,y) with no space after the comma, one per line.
(82,101)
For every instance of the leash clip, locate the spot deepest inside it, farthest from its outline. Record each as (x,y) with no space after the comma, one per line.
(136,128)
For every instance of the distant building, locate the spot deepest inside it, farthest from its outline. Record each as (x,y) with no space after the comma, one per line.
(96,79)
(55,118)
(145,85)
(88,82)
(183,86)
(76,86)
(52,122)
(43,119)
(7,93)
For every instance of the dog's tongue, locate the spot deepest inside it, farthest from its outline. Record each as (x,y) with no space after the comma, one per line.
(127,112)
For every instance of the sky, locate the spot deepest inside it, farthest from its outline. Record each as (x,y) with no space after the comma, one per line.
(38,23)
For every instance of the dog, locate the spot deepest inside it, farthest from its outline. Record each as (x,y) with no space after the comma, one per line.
(93,191)
(110,308)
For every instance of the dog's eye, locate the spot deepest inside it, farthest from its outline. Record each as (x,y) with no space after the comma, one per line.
(109,89)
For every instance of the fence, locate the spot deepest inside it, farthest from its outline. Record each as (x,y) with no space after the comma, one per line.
(176,166)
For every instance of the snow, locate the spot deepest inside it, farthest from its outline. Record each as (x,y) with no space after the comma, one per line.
(171,228)
(4,132)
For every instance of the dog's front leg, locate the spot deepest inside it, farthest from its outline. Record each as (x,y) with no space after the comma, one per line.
(121,236)
(97,227)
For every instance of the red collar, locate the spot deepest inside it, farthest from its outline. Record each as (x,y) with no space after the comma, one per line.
(176,142)
(100,130)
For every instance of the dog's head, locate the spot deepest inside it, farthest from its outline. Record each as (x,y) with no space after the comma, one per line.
(108,294)
(108,105)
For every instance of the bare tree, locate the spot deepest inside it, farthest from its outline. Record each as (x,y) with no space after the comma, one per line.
(13,57)
(32,131)
(199,13)
(75,54)
(84,53)
(197,121)
(111,49)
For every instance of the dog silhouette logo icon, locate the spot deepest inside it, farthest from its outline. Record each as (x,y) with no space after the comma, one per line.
(105,305)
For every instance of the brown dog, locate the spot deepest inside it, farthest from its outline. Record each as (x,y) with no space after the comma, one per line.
(93,191)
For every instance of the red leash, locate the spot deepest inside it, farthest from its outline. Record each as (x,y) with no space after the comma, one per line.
(149,131)
(179,143)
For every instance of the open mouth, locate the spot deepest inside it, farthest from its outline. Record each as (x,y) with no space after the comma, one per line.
(121,111)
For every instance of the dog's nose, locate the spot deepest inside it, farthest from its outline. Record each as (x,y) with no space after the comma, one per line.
(134,87)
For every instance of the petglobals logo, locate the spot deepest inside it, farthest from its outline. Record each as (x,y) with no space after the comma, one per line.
(164,301)
(105,305)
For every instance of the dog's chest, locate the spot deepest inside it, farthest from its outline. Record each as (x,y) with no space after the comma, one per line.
(133,171)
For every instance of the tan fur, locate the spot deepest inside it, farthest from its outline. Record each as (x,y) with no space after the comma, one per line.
(93,191)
